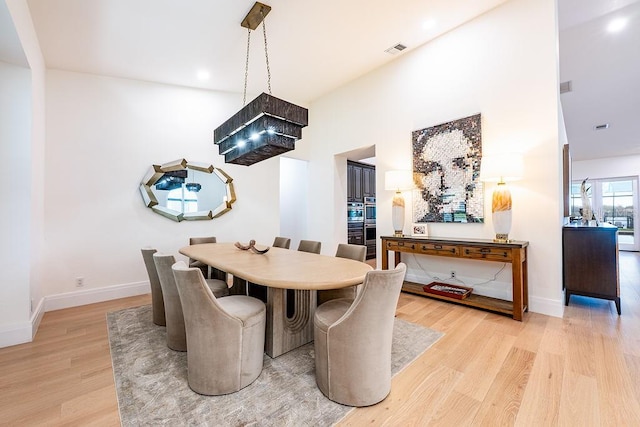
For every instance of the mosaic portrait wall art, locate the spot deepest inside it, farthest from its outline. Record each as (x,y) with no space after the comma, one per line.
(446,172)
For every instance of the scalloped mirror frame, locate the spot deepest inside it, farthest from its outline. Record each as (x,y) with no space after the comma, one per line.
(157,171)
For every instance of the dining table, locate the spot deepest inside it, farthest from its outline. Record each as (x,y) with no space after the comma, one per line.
(291,279)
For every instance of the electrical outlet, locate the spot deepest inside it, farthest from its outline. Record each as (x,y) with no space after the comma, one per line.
(79,282)
(453,274)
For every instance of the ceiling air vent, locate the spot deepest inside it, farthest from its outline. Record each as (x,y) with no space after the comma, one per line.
(396,49)
(601,127)
(566,86)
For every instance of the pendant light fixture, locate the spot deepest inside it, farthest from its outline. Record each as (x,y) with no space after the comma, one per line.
(265,127)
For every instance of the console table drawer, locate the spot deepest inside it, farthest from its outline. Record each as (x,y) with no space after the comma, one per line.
(438,249)
(402,246)
(494,254)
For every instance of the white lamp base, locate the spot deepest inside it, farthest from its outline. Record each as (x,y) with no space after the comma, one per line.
(501,212)
(397,214)
(502,225)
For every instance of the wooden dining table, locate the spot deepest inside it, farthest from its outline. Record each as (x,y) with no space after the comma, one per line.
(289,323)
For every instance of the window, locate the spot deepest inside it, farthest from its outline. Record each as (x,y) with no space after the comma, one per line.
(182,200)
(614,201)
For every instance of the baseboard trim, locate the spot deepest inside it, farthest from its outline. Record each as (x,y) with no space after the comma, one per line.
(23,332)
(36,318)
(549,307)
(14,334)
(92,296)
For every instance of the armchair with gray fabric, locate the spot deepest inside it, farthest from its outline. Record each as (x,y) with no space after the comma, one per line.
(352,341)
(176,336)
(207,271)
(157,299)
(281,242)
(355,252)
(309,246)
(225,336)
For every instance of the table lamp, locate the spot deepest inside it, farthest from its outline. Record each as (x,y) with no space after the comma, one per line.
(501,168)
(398,181)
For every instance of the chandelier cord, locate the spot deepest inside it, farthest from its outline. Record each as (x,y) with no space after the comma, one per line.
(246,68)
(266,52)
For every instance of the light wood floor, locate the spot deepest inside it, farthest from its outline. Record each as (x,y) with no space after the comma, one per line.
(582,370)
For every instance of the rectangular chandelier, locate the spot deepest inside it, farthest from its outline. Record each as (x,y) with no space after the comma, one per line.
(265,127)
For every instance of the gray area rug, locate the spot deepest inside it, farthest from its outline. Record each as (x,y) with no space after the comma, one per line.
(152,389)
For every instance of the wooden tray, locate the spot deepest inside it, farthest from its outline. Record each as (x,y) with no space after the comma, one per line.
(447,290)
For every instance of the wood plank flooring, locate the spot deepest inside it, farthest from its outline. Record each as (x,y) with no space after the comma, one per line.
(488,370)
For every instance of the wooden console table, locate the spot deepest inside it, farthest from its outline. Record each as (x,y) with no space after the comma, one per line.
(514,252)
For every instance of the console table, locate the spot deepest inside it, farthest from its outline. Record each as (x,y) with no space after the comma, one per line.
(513,252)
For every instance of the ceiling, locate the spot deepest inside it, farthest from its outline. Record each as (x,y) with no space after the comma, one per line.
(10,47)
(315,47)
(603,68)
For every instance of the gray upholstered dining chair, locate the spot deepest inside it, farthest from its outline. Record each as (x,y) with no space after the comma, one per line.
(352,341)
(281,242)
(207,271)
(198,264)
(176,337)
(304,246)
(157,300)
(355,252)
(310,246)
(225,336)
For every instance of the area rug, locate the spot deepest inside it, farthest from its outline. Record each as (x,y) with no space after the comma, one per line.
(152,389)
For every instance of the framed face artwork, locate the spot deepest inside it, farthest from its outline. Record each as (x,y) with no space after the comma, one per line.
(446,170)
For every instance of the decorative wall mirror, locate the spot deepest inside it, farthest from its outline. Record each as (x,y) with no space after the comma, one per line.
(184,191)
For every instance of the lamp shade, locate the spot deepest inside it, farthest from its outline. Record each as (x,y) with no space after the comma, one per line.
(501,167)
(399,180)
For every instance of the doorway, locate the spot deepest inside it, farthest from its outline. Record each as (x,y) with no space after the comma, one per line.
(615,201)
(359,187)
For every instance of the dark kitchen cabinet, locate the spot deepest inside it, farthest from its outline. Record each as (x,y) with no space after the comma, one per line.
(590,262)
(354,182)
(361,181)
(369,182)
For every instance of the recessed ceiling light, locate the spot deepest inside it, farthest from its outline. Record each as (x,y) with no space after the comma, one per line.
(429,24)
(203,75)
(617,25)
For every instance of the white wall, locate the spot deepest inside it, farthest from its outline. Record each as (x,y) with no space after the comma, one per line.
(503,65)
(15,193)
(610,167)
(294,189)
(102,135)
(23,121)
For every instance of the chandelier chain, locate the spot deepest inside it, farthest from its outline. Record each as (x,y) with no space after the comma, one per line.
(246,68)
(266,52)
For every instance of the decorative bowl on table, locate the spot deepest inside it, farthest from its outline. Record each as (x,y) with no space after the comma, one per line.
(252,247)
